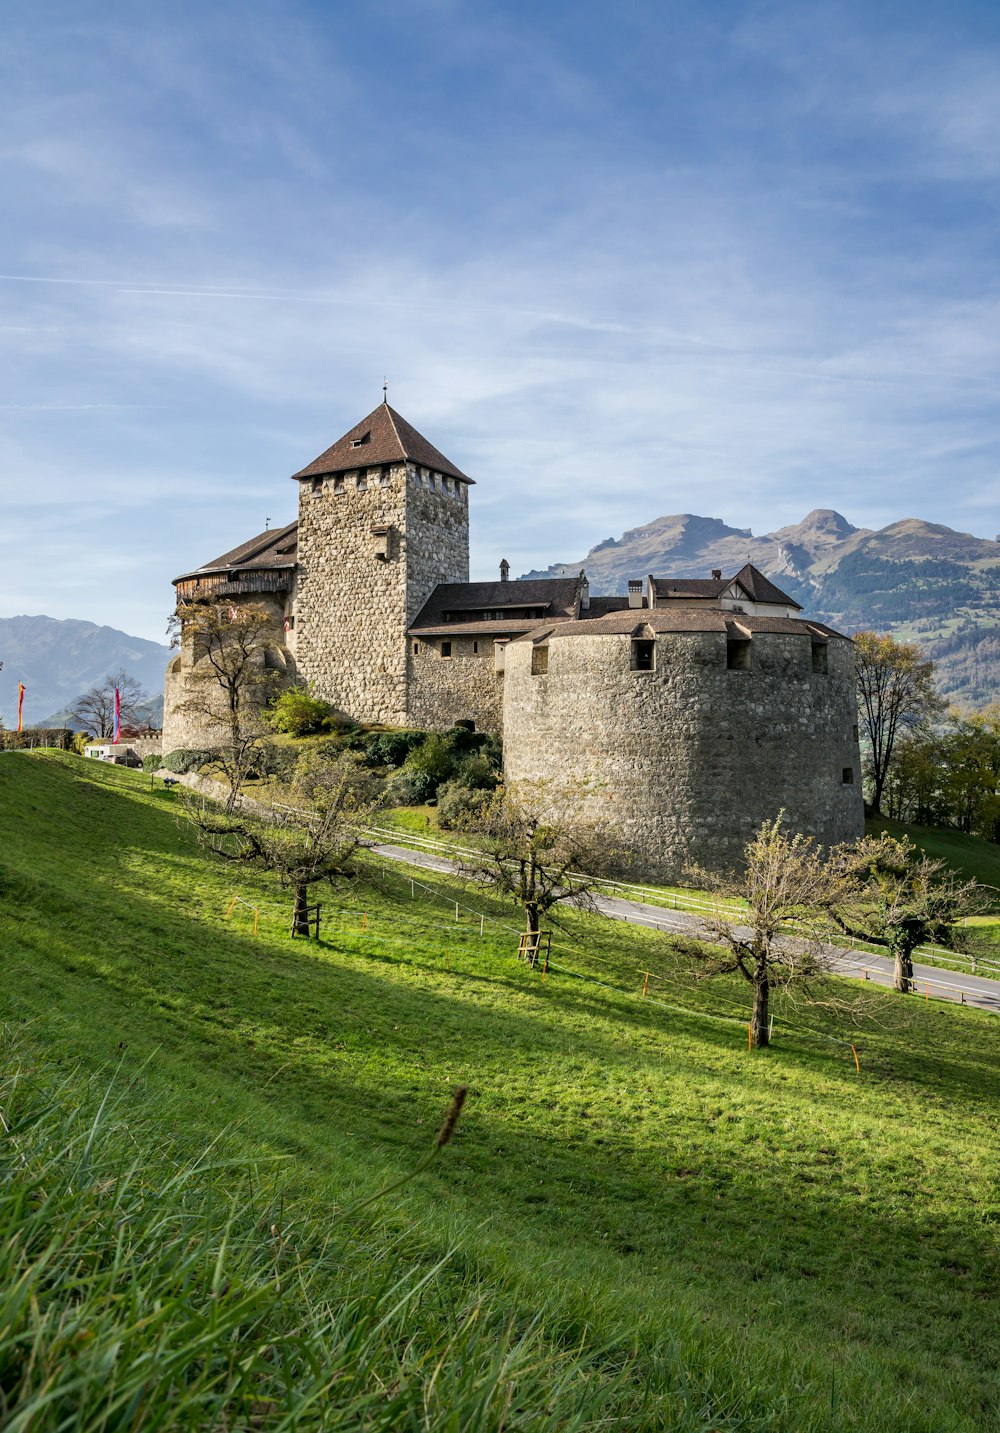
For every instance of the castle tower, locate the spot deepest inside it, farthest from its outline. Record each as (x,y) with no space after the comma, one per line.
(383,518)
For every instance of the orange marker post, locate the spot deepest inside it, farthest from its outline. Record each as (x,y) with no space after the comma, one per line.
(855,1054)
(232,907)
(256,918)
(364,920)
(645,983)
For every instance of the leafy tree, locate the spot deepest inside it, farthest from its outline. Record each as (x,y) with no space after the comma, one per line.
(302,845)
(531,847)
(780,940)
(96,709)
(236,650)
(899,898)
(895,693)
(298,713)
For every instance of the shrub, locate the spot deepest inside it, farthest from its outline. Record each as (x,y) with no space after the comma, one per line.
(458,803)
(389,748)
(434,758)
(297,713)
(183,760)
(407,787)
(478,773)
(152,762)
(272,760)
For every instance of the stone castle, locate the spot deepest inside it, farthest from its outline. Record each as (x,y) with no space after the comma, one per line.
(681,715)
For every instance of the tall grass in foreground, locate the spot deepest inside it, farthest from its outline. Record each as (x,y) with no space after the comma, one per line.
(143,1291)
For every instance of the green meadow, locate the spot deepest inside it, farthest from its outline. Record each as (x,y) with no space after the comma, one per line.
(638,1224)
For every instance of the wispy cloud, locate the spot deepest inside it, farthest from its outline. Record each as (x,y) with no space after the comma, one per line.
(673,264)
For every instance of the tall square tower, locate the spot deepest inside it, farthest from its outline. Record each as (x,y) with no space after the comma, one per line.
(383,518)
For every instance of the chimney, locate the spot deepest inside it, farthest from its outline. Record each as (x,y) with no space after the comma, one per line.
(717,573)
(634,592)
(584,593)
(504,570)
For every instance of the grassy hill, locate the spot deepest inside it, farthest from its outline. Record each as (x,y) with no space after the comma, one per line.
(714,1239)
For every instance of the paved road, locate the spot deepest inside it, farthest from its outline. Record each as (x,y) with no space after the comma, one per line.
(941,984)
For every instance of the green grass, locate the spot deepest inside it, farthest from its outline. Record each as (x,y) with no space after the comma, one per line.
(971,856)
(781,1242)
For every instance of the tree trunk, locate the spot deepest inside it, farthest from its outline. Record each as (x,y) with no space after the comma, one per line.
(902,974)
(531,915)
(300,917)
(759,1018)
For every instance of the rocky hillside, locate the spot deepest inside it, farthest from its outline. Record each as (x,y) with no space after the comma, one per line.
(919,580)
(57,660)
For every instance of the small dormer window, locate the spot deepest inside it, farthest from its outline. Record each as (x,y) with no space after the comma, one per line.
(360,442)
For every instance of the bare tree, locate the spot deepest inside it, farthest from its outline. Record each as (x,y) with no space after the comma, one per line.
(781,939)
(302,844)
(96,708)
(899,898)
(233,649)
(531,847)
(895,694)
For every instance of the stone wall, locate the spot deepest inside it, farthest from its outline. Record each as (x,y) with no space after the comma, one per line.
(462,687)
(681,764)
(194,706)
(372,545)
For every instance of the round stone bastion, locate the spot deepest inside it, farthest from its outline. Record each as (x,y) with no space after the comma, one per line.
(676,735)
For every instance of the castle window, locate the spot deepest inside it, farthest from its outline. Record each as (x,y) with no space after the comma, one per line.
(854,733)
(475,646)
(848,776)
(416,648)
(819,657)
(446,649)
(384,477)
(317,487)
(539,661)
(338,485)
(362,481)
(738,657)
(643,656)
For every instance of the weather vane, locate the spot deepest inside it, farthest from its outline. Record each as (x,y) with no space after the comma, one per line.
(385,390)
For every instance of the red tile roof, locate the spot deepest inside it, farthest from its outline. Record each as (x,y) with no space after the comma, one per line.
(383,437)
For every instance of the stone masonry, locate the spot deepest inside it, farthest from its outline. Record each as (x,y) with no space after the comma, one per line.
(680,764)
(372,546)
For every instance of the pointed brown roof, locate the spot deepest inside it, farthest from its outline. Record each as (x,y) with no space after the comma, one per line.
(760,589)
(383,437)
(276,547)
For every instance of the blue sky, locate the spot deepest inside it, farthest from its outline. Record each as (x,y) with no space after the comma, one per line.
(617,260)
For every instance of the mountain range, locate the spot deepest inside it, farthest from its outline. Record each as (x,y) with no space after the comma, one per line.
(58,660)
(921,581)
